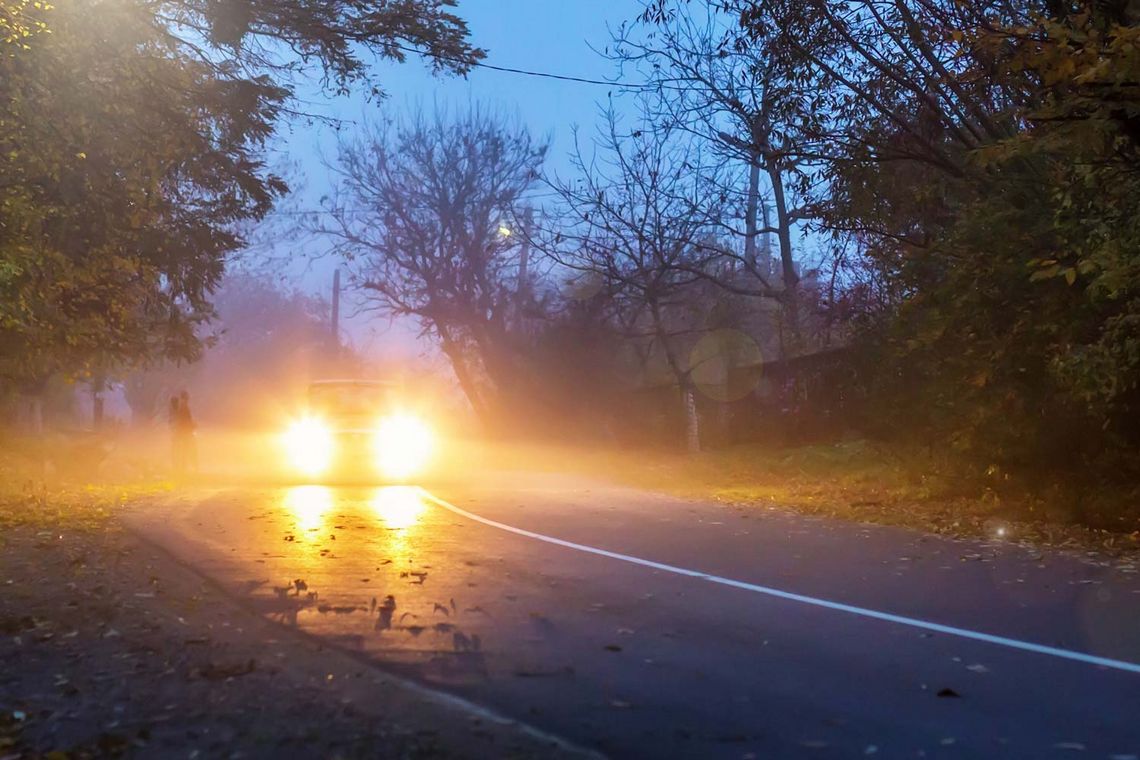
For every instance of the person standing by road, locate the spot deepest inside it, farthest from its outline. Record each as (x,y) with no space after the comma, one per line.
(185,447)
(176,455)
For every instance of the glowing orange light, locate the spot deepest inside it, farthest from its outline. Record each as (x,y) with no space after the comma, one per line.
(399,507)
(308,504)
(404,445)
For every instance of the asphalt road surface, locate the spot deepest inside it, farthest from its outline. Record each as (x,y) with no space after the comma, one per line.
(638,625)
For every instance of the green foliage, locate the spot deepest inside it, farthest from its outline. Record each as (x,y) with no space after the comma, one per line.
(130,151)
(1028,320)
(114,210)
(20,21)
(984,159)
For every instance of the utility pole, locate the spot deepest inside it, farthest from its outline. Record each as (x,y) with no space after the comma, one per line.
(336,308)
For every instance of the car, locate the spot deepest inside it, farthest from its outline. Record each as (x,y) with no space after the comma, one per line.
(357,428)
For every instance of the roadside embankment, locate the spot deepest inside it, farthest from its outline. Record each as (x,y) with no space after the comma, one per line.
(861,482)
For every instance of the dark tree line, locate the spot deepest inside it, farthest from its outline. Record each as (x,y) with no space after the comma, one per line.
(427,214)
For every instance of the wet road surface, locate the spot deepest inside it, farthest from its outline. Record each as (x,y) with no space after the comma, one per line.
(640,661)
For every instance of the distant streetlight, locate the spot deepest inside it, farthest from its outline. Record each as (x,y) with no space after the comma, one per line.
(504,230)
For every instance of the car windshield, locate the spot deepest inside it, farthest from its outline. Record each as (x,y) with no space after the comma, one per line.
(348,399)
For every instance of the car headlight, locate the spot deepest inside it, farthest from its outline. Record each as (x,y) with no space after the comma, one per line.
(309,446)
(403,446)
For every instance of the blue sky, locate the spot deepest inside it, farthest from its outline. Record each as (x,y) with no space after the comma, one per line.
(554,36)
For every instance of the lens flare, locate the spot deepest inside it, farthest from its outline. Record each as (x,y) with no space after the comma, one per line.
(398,506)
(309,446)
(403,446)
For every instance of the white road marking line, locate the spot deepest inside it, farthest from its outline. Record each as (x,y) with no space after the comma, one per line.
(926,625)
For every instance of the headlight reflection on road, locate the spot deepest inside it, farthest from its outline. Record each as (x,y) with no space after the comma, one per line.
(399,507)
(308,505)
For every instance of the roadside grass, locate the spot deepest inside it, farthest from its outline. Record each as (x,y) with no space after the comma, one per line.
(863,482)
(61,492)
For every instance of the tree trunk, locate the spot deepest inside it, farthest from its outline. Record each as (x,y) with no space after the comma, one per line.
(684,382)
(97,387)
(692,420)
(463,374)
(750,211)
(789,275)
(36,414)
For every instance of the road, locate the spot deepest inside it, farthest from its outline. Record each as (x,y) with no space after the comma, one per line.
(662,627)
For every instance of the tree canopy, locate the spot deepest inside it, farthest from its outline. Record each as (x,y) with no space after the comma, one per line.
(131,141)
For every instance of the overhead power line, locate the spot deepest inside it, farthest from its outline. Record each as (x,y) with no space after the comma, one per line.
(526,72)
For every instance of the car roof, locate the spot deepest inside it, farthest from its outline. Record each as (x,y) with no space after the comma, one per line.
(365,383)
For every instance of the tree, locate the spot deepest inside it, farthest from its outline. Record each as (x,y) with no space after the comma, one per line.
(644,219)
(982,158)
(422,216)
(131,138)
(732,97)
(114,211)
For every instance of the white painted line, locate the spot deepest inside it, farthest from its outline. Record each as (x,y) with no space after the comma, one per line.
(926,625)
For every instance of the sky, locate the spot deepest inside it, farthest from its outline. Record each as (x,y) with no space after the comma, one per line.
(554,36)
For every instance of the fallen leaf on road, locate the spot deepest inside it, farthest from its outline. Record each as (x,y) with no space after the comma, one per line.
(215,672)
(326,608)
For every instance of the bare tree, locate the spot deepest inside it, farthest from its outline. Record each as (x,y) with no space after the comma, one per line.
(421,215)
(735,98)
(642,217)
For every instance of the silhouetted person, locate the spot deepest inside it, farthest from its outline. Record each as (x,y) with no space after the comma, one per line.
(182,428)
(175,441)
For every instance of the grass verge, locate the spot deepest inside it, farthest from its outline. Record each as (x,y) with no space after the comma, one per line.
(862,482)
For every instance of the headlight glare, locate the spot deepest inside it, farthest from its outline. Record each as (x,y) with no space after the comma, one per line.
(309,446)
(403,446)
